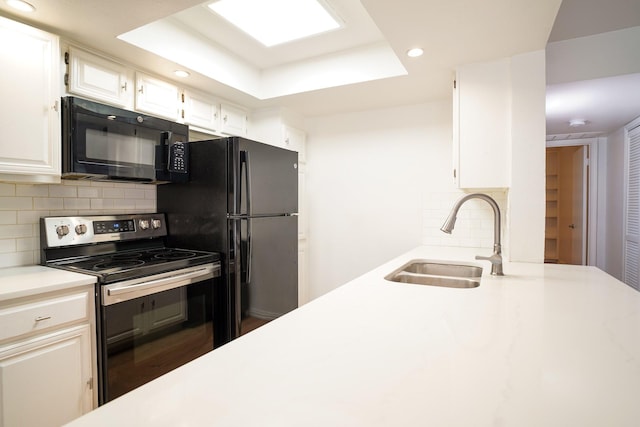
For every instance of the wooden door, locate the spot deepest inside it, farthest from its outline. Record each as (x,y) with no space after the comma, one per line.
(566,215)
(578,208)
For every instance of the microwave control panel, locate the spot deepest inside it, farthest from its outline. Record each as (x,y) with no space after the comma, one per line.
(178,155)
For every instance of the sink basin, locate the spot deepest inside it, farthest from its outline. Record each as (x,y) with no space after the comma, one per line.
(434,273)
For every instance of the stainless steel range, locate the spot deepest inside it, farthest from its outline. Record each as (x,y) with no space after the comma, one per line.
(155,304)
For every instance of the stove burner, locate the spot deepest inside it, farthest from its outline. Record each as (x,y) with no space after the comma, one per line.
(118,264)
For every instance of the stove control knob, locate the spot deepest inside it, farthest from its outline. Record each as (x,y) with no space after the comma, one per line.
(155,223)
(144,224)
(62,230)
(81,228)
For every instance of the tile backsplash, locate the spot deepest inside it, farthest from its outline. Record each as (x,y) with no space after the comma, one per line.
(22,205)
(474,227)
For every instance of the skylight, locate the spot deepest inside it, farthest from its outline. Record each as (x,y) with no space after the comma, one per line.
(274,22)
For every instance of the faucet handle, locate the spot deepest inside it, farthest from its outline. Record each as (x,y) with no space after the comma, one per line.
(494,259)
(496,263)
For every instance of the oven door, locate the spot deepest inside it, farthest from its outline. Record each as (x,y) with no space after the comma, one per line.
(152,326)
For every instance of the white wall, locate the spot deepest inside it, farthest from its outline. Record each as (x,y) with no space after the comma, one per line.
(614,203)
(379,183)
(527,191)
(607,54)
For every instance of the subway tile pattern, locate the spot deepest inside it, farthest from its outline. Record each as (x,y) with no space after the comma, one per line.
(22,205)
(474,226)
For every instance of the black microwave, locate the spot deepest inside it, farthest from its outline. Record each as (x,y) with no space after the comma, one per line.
(105,143)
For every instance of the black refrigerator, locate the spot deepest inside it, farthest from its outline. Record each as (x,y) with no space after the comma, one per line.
(241,201)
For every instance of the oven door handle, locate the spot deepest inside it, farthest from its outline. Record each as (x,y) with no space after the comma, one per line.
(123,292)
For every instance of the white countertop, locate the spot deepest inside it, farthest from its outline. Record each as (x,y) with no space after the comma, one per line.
(546,345)
(18,282)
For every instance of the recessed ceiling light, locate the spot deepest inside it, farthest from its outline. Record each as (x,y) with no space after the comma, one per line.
(181,73)
(415,52)
(577,122)
(274,22)
(21,5)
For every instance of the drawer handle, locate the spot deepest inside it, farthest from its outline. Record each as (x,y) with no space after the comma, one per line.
(41,318)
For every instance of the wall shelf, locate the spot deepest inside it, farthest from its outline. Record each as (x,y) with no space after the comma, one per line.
(551,241)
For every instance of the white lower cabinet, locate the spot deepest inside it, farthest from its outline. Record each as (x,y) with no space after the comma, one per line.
(303,260)
(47,358)
(46,380)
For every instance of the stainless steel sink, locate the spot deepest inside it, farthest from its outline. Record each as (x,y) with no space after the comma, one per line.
(434,273)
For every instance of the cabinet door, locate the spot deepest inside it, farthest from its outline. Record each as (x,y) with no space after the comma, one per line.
(201,110)
(98,78)
(234,120)
(303,285)
(482,125)
(295,139)
(29,113)
(157,97)
(46,380)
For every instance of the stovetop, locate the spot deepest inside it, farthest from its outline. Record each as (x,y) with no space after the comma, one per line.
(115,247)
(132,264)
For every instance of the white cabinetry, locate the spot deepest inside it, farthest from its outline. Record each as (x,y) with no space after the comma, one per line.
(47,369)
(233,120)
(200,110)
(29,113)
(103,79)
(157,97)
(296,140)
(482,124)
(98,78)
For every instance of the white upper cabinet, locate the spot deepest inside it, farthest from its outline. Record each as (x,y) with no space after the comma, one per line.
(482,124)
(106,80)
(157,97)
(200,110)
(30,111)
(233,120)
(98,78)
(296,140)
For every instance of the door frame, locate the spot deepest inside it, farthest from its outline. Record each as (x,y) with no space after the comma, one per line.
(593,206)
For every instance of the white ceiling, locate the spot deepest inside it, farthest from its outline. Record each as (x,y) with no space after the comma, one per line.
(361,30)
(452,32)
(593,67)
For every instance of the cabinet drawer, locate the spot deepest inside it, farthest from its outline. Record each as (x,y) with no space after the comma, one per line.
(43,314)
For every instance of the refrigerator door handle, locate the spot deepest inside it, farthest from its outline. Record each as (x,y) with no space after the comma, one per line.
(244,158)
(249,251)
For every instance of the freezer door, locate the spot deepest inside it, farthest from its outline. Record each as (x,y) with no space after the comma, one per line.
(265,181)
(268,275)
